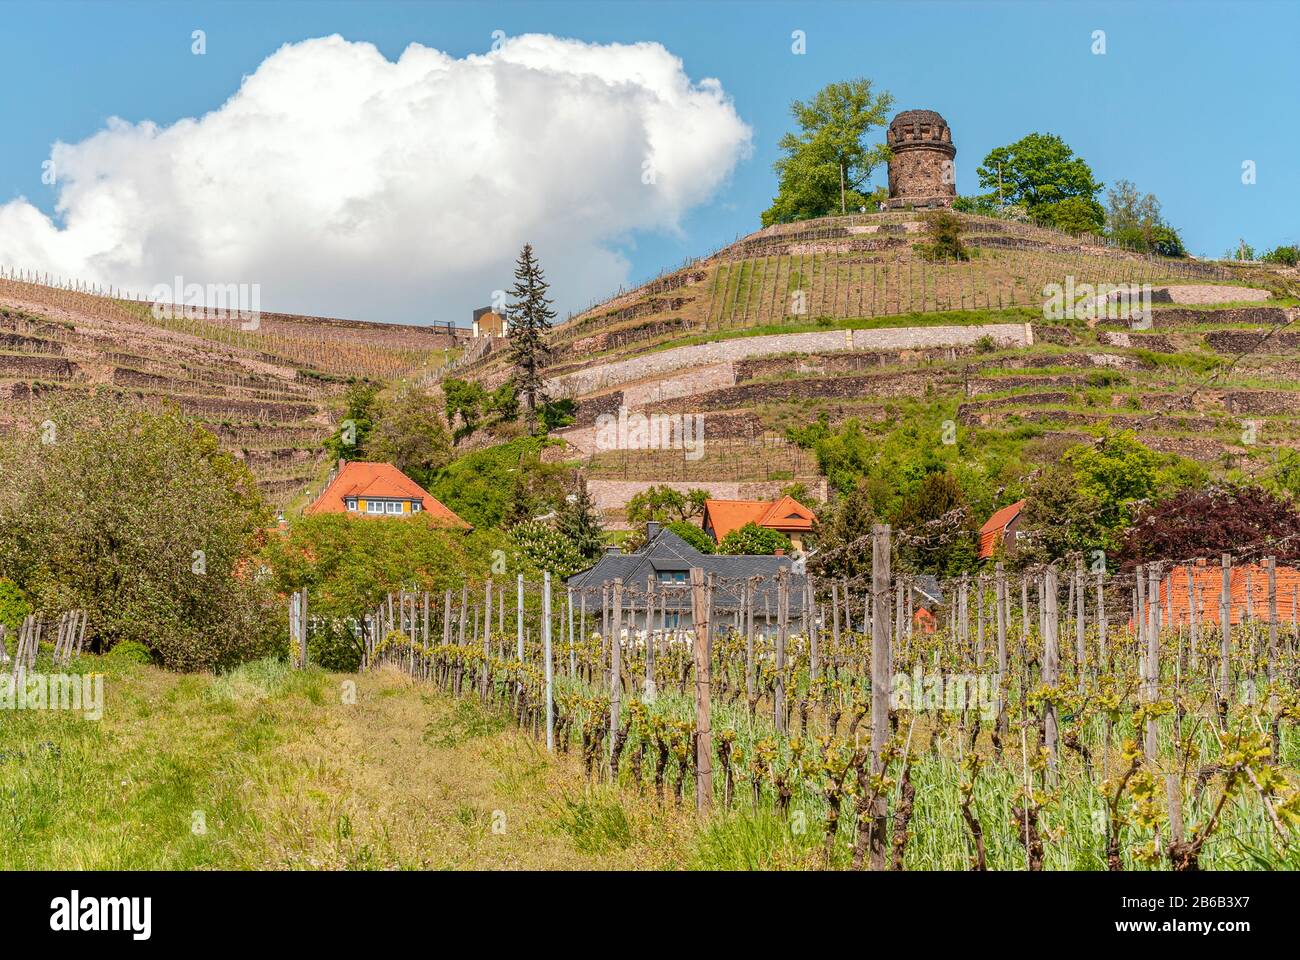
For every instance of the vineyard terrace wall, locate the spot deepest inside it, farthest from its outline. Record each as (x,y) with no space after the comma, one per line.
(582,382)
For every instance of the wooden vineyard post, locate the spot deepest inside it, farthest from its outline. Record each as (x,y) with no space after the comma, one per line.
(303,624)
(1101,616)
(1000,594)
(979,622)
(782,636)
(881,682)
(814,654)
(1272,625)
(519,618)
(549,666)
(700,604)
(1225,634)
(1152,671)
(1080,650)
(750,679)
(487,638)
(616,663)
(648,686)
(1051,665)
(446,618)
(573,672)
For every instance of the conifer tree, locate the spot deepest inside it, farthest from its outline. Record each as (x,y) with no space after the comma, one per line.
(529,316)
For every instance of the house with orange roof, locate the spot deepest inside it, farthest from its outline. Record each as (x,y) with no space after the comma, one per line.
(1001,529)
(380,490)
(786,515)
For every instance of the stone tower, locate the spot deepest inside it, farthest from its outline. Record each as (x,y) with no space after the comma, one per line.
(921,174)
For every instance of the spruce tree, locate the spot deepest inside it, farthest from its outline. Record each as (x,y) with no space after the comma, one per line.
(529,316)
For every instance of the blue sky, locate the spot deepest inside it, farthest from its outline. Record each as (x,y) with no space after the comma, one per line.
(1183,95)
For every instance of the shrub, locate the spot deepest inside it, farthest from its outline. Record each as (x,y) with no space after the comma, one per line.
(140,519)
(692,534)
(13,606)
(753,540)
(130,651)
(943,230)
(1287,256)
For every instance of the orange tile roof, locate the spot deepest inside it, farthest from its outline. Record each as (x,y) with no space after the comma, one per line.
(381,481)
(995,526)
(787,515)
(1247,591)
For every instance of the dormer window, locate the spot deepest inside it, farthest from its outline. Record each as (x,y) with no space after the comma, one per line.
(394,506)
(352,505)
(415,506)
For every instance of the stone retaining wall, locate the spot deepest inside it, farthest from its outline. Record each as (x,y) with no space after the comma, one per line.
(595,378)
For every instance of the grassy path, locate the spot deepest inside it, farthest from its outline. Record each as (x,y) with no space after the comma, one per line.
(271,768)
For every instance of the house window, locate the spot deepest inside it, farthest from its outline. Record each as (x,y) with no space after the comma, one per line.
(394,506)
(374,506)
(672,576)
(352,505)
(415,506)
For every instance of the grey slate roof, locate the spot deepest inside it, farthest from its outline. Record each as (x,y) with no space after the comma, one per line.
(665,552)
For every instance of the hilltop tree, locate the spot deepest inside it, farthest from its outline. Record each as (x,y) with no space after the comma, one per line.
(1041,173)
(1133,219)
(826,165)
(530,317)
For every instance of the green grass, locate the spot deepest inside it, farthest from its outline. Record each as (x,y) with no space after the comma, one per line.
(270,767)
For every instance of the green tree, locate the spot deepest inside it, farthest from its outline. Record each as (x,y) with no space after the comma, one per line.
(825,166)
(463,401)
(753,540)
(1041,172)
(360,411)
(939,531)
(139,518)
(547,548)
(1287,256)
(1133,220)
(692,534)
(845,547)
(348,565)
(412,436)
(579,521)
(664,504)
(529,315)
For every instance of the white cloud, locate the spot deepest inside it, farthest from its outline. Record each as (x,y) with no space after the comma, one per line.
(348,185)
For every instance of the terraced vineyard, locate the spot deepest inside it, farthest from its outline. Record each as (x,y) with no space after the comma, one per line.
(881,333)
(269,394)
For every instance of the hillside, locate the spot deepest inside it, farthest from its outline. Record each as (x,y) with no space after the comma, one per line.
(843,317)
(269,394)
